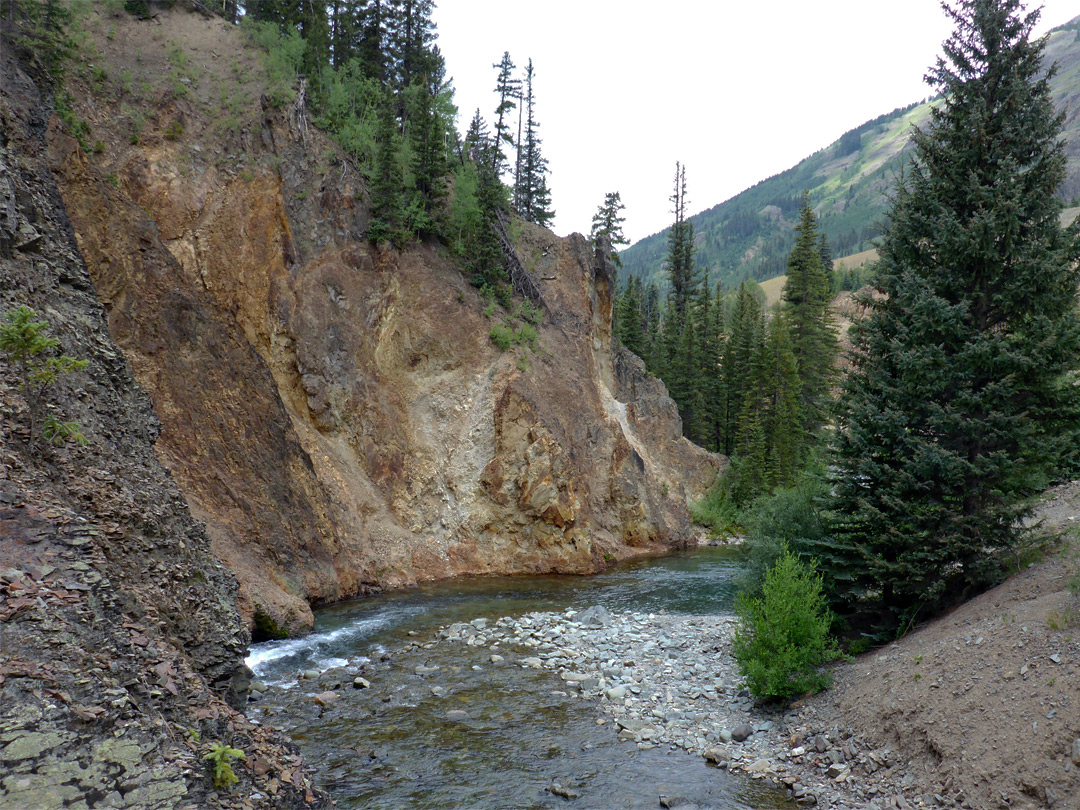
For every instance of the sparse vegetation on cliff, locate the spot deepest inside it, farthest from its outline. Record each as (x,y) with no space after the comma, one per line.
(39,366)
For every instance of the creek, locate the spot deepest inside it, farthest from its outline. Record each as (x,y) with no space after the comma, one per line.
(441,726)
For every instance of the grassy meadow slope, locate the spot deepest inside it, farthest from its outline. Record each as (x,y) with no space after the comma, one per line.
(750,235)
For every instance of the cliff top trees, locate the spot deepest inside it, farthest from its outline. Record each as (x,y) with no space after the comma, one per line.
(532,198)
(964,391)
(607,221)
(509,89)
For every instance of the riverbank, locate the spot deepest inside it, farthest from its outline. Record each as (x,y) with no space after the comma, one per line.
(670,680)
(977,709)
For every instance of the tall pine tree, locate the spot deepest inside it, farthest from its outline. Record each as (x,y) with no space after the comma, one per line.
(607,222)
(964,391)
(806,297)
(532,198)
(509,89)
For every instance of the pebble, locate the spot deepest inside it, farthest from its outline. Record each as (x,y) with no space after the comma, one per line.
(742,732)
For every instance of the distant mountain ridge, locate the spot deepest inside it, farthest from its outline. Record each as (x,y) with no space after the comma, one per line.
(751,235)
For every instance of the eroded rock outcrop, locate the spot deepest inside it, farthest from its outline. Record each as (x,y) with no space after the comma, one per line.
(335,412)
(121,648)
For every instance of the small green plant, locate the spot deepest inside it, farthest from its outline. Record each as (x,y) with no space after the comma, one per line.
(56,431)
(24,342)
(79,127)
(113,179)
(916,677)
(917,659)
(522,364)
(219,760)
(505,336)
(138,121)
(174,131)
(783,635)
(99,147)
(193,733)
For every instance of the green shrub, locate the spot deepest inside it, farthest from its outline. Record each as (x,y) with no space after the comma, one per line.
(716,510)
(284,58)
(506,337)
(34,356)
(174,131)
(219,760)
(789,517)
(783,636)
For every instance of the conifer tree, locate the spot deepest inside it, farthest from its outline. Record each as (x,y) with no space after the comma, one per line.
(477,140)
(806,297)
(607,221)
(964,391)
(532,198)
(827,261)
(509,89)
(787,439)
(745,337)
(679,261)
(486,250)
(388,182)
(628,321)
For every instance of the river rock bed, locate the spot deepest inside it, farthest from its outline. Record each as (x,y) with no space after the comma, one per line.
(667,679)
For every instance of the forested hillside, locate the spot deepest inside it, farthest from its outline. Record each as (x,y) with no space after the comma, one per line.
(751,235)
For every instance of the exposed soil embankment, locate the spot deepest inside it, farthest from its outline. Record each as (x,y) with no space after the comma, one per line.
(335,412)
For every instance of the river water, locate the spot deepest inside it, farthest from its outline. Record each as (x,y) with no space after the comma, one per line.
(441,727)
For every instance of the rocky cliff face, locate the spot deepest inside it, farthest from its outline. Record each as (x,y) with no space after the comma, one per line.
(122,648)
(334,412)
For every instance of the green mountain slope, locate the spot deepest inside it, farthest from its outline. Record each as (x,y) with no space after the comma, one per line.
(751,235)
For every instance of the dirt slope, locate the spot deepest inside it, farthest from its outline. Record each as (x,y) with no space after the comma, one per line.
(982,706)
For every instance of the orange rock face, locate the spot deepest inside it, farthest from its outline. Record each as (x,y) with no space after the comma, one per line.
(335,412)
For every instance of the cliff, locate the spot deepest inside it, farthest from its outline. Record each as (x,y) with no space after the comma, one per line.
(121,648)
(334,412)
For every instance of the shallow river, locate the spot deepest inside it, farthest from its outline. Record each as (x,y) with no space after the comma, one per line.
(462,733)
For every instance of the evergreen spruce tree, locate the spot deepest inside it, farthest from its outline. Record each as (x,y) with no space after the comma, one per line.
(787,438)
(827,261)
(806,297)
(388,182)
(679,261)
(964,389)
(509,89)
(532,198)
(607,222)
(628,318)
(486,250)
(477,140)
(746,333)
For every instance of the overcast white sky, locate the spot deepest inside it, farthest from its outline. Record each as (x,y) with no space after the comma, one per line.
(737,91)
